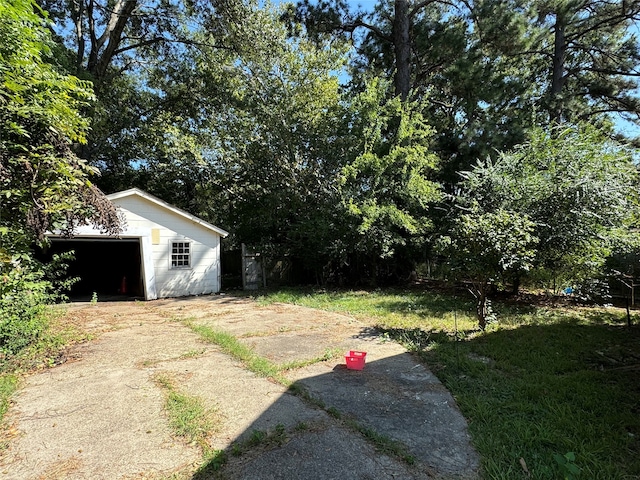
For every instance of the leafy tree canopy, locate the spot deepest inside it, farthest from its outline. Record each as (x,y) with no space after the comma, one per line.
(577,187)
(43,185)
(389,188)
(484,247)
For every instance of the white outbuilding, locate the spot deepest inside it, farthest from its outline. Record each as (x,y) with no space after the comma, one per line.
(162,252)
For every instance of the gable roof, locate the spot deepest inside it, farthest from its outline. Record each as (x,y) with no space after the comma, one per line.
(162,204)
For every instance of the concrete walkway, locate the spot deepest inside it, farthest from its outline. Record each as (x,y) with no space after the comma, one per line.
(101,416)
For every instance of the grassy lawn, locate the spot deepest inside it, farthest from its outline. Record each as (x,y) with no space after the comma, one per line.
(546,391)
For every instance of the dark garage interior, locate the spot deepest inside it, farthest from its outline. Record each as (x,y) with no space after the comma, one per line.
(110,268)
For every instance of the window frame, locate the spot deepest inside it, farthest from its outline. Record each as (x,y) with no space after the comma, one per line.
(181,246)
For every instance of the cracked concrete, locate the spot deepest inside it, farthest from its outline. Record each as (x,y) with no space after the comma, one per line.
(101,415)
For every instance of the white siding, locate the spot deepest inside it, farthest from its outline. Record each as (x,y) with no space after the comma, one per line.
(204,274)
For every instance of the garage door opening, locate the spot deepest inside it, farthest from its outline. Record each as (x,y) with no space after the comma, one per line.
(108,268)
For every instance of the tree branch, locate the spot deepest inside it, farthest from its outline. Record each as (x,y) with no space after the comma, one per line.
(605,22)
(117,24)
(425,3)
(350,27)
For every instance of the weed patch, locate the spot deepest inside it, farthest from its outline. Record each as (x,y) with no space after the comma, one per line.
(45,350)
(8,385)
(236,349)
(329,354)
(257,439)
(383,443)
(188,417)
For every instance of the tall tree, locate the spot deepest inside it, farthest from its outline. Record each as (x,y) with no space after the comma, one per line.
(394,29)
(280,132)
(449,52)
(43,185)
(106,39)
(389,188)
(495,68)
(139,56)
(592,57)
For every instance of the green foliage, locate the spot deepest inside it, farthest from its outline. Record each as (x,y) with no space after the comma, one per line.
(579,190)
(8,385)
(496,68)
(388,187)
(23,298)
(43,185)
(569,469)
(484,246)
(26,287)
(251,136)
(586,55)
(248,122)
(33,91)
(492,243)
(285,106)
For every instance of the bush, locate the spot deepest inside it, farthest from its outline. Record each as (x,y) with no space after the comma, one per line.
(27,286)
(24,294)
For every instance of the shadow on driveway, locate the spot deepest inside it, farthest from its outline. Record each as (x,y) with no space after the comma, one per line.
(394,419)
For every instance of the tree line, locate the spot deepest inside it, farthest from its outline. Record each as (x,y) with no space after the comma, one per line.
(486,133)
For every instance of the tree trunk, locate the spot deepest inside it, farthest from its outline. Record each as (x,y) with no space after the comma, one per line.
(100,59)
(77,14)
(402,49)
(515,288)
(481,309)
(558,78)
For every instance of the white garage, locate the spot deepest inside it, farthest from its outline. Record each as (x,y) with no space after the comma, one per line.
(162,252)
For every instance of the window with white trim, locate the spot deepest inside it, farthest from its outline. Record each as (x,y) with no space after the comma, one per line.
(180,254)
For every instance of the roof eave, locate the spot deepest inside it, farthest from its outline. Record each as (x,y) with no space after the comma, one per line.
(168,206)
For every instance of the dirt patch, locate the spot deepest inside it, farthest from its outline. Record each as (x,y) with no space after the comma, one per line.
(102,415)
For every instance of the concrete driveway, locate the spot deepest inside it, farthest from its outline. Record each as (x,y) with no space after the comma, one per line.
(101,414)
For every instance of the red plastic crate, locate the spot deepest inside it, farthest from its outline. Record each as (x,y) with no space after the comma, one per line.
(355,359)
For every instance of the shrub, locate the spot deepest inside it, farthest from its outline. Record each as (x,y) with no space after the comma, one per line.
(24,294)
(26,288)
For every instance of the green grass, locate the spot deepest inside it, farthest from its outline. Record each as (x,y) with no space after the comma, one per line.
(545,391)
(539,384)
(393,309)
(188,417)
(236,349)
(8,385)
